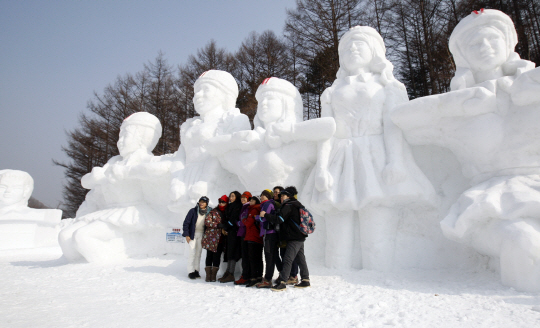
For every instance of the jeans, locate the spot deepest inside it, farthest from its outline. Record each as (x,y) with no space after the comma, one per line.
(295,251)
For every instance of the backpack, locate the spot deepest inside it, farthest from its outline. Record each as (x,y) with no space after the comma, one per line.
(307,225)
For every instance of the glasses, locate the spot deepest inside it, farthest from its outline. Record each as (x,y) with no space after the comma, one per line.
(222,202)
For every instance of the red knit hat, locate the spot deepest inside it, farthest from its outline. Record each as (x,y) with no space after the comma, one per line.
(224,198)
(246,194)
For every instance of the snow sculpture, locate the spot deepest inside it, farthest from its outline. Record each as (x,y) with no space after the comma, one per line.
(21,226)
(490,122)
(366,169)
(195,172)
(127,200)
(281,149)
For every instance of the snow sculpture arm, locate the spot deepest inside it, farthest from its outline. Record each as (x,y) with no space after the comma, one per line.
(421,118)
(99,175)
(323,178)
(526,88)
(245,140)
(394,170)
(312,130)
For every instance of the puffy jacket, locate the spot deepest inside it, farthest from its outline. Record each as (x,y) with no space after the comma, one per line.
(267,227)
(252,230)
(212,234)
(243,216)
(188,228)
(287,216)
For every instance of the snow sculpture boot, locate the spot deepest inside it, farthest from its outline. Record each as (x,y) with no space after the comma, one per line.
(214,271)
(208,271)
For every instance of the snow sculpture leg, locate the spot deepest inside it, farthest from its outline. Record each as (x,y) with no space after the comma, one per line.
(520,256)
(99,242)
(378,228)
(340,239)
(65,239)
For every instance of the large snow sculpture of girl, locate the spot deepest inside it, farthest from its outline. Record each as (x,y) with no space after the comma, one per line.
(122,201)
(195,172)
(282,147)
(365,170)
(490,122)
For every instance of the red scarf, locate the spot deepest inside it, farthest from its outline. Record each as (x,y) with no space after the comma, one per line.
(222,207)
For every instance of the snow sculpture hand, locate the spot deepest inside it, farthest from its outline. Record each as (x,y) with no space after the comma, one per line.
(324,180)
(285,130)
(90,180)
(393,174)
(249,140)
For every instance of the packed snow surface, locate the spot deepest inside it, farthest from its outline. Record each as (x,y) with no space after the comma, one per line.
(41,288)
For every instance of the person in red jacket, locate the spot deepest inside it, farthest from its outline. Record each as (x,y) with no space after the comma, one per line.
(254,241)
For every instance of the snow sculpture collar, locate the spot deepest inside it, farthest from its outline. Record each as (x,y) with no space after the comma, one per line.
(290,98)
(222,80)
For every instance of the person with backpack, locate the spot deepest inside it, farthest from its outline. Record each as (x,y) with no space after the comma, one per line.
(246,269)
(212,239)
(289,220)
(193,230)
(230,229)
(254,242)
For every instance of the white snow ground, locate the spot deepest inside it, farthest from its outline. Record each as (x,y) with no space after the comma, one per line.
(41,289)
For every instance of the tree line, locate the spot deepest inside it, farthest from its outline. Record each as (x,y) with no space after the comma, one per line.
(416,34)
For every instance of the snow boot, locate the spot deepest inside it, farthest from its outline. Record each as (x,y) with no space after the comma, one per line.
(264,284)
(252,282)
(303,284)
(227,277)
(214,271)
(197,275)
(192,275)
(292,280)
(208,271)
(279,287)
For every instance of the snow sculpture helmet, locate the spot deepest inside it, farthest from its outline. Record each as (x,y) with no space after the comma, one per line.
(483,21)
(148,127)
(222,80)
(378,64)
(291,100)
(15,187)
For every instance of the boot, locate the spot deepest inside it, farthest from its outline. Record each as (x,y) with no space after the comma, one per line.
(214,271)
(229,278)
(208,271)
(225,276)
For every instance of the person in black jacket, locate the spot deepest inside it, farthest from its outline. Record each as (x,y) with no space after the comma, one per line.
(289,218)
(230,229)
(193,230)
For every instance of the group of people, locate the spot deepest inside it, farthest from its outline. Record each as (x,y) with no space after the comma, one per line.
(241,227)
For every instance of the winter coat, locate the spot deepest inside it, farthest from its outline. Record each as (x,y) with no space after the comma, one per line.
(232,216)
(212,234)
(191,220)
(252,230)
(267,227)
(243,215)
(288,215)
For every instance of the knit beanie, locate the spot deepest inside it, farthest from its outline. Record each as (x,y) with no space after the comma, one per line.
(247,194)
(268,193)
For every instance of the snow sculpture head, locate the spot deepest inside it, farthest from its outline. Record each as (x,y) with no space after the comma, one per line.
(361,49)
(15,188)
(214,89)
(278,101)
(484,41)
(139,131)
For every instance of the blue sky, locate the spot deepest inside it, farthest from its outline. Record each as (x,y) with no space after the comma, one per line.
(55,54)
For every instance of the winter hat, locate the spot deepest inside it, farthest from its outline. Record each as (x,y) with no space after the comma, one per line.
(290,191)
(224,198)
(277,85)
(256,198)
(469,25)
(268,193)
(204,199)
(147,120)
(221,79)
(247,194)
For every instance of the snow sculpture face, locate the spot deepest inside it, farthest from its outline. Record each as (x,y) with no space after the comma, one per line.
(361,48)
(357,53)
(140,131)
(15,188)
(214,89)
(277,101)
(483,40)
(486,50)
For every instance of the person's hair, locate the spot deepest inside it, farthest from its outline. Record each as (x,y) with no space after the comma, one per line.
(290,191)
(267,194)
(278,187)
(238,196)
(256,199)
